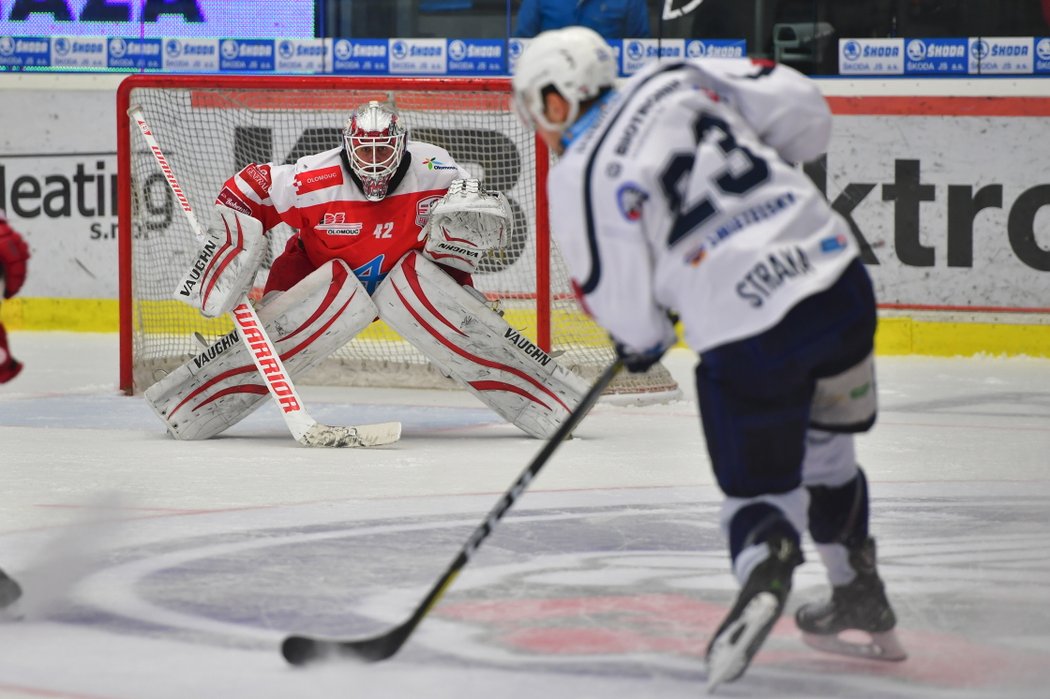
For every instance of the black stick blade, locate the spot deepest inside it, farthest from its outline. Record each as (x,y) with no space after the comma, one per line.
(303,650)
(300,650)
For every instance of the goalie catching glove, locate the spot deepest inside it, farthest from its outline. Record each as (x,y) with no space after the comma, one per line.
(465,224)
(226,265)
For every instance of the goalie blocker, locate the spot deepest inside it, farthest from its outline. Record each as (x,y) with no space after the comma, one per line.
(220,386)
(470,342)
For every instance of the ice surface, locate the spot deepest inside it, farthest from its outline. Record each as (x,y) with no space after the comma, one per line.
(172,570)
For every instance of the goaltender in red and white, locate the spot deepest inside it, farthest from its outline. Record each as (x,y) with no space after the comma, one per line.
(387,227)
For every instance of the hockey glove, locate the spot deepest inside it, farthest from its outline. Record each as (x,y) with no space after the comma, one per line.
(638,361)
(13,255)
(465,224)
(225,267)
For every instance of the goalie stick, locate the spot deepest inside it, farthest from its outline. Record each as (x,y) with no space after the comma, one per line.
(301,650)
(303,427)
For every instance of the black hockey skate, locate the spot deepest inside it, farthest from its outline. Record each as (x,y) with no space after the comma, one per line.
(9,594)
(859,606)
(757,608)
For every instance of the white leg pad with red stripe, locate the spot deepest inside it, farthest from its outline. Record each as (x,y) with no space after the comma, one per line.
(220,386)
(470,342)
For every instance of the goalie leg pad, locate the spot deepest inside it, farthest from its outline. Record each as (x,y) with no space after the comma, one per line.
(221,385)
(471,343)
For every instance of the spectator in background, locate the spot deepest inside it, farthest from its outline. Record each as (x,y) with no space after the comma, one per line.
(613,19)
(13,256)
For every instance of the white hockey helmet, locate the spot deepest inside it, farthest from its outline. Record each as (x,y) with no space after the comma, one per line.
(375,144)
(575,61)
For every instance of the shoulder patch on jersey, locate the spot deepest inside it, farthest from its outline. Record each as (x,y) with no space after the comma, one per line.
(630,198)
(258,178)
(436,164)
(313,180)
(423,209)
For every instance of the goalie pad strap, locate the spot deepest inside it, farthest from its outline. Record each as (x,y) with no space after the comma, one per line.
(220,386)
(470,342)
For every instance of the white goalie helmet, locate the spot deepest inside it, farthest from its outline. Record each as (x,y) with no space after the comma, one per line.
(576,61)
(375,141)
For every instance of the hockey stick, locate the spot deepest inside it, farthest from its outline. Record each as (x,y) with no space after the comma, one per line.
(304,428)
(300,650)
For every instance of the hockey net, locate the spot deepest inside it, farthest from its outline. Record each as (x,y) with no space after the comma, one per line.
(212,126)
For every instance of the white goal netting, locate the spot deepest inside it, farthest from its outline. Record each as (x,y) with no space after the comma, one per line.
(211,126)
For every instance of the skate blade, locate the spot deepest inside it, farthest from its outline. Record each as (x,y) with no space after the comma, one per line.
(732,651)
(882,646)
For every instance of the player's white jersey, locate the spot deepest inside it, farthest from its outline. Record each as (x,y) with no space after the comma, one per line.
(691,203)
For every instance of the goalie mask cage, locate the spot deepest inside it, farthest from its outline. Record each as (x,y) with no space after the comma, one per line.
(210,127)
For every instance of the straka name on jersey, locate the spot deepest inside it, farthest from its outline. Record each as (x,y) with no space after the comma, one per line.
(630,198)
(769,275)
(435,164)
(423,207)
(313,180)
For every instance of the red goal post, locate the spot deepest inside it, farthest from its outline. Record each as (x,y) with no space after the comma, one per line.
(211,126)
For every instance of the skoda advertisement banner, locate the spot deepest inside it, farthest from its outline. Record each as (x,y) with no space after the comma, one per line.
(871,56)
(158,18)
(935,57)
(303,56)
(716,48)
(361,56)
(418,56)
(88,53)
(25,51)
(137,54)
(254,55)
(191,55)
(1001,55)
(1042,55)
(476,57)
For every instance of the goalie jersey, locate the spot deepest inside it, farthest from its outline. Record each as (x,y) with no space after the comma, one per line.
(317,195)
(691,202)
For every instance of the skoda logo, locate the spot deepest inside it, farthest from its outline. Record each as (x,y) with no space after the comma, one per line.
(62,46)
(516,47)
(851,50)
(916,49)
(457,50)
(1042,49)
(173,48)
(695,49)
(117,48)
(979,48)
(286,49)
(635,51)
(399,49)
(229,49)
(7,46)
(343,49)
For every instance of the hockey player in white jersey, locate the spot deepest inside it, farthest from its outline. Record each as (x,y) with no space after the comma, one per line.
(386,227)
(676,192)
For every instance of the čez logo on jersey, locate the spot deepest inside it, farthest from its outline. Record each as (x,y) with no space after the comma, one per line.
(335,224)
